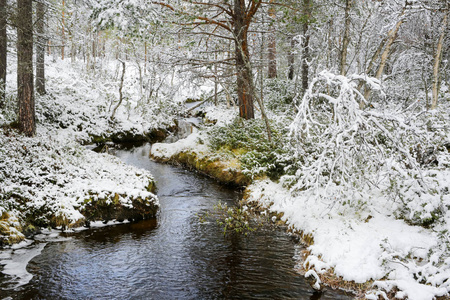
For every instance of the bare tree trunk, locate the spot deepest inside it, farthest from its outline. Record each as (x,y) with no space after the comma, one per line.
(145,57)
(244,75)
(372,60)
(261,67)
(346,37)
(437,62)
(305,44)
(216,80)
(329,43)
(73,45)
(120,91)
(291,58)
(3,52)
(63,38)
(392,35)
(272,71)
(25,85)
(40,48)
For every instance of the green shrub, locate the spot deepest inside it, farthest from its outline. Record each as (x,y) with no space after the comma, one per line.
(249,139)
(234,219)
(279,95)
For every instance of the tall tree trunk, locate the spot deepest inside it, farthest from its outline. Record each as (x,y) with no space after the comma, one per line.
(392,35)
(63,34)
(40,48)
(437,62)
(244,75)
(346,37)
(305,44)
(25,86)
(120,90)
(291,58)
(329,43)
(272,72)
(3,51)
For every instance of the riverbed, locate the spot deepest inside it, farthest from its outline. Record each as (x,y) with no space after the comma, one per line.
(181,254)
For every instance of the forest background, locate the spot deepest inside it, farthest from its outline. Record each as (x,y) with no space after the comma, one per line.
(342,103)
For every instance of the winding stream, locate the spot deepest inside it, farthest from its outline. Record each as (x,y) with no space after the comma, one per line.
(172,257)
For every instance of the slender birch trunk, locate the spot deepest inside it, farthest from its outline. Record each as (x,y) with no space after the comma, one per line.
(392,35)
(3,51)
(345,38)
(305,44)
(437,62)
(40,48)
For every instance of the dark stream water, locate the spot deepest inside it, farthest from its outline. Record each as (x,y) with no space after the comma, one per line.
(175,256)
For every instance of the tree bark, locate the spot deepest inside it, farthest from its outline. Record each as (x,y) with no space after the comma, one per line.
(40,48)
(120,91)
(392,35)
(25,84)
(305,44)
(437,62)
(63,34)
(291,58)
(346,37)
(3,51)
(272,70)
(244,75)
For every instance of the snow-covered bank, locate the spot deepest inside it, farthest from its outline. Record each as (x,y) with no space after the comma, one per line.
(360,241)
(192,153)
(367,246)
(50,180)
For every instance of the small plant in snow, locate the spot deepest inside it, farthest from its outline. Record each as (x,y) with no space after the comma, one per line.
(234,219)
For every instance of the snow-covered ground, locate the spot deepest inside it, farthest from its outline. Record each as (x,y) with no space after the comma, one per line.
(50,175)
(48,180)
(365,245)
(358,243)
(359,239)
(52,172)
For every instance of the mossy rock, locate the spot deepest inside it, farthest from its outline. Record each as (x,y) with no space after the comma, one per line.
(99,139)
(10,230)
(151,187)
(215,168)
(158,135)
(113,209)
(128,137)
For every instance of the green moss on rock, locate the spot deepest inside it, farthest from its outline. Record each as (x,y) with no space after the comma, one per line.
(10,230)
(111,208)
(225,171)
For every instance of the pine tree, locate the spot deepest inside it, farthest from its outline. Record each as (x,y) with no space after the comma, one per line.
(40,48)
(3,51)
(25,84)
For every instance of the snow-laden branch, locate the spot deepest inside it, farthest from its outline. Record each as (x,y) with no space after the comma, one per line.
(344,150)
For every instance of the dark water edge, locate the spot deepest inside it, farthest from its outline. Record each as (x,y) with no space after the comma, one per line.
(182,254)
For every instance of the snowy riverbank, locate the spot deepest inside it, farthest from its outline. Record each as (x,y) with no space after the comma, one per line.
(50,180)
(366,246)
